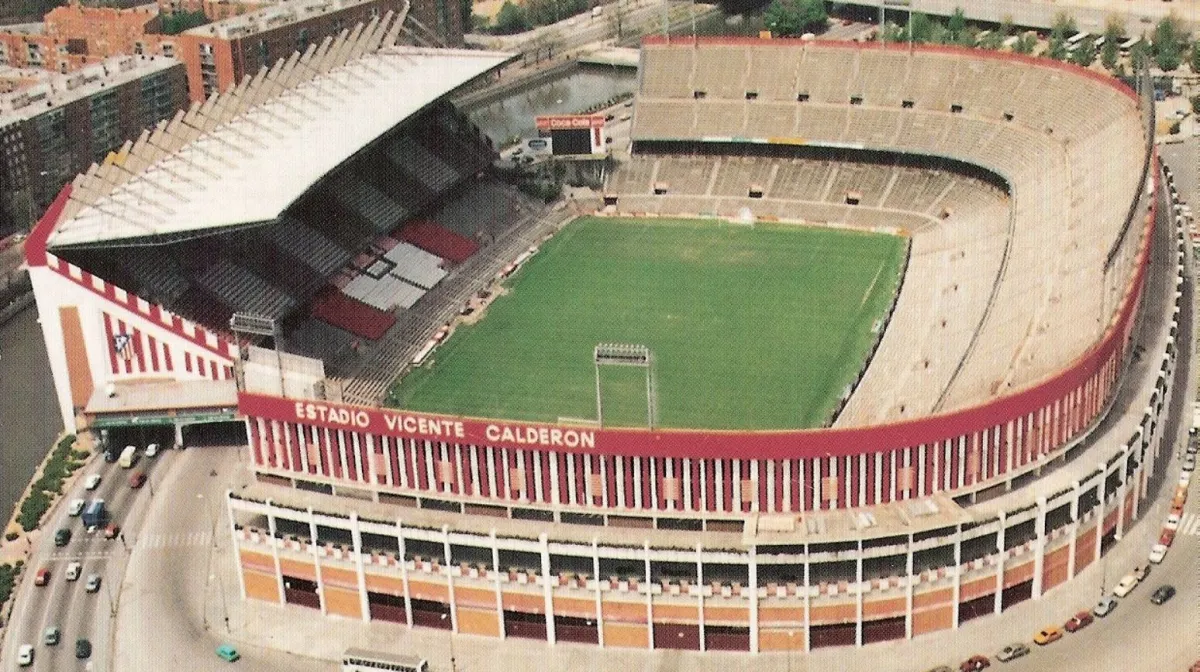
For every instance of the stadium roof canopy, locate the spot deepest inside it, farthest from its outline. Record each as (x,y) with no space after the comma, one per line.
(244,156)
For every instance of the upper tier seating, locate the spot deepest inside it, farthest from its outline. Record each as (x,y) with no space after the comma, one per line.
(411,155)
(309,246)
(382,212)
(1070,145)
(244,291)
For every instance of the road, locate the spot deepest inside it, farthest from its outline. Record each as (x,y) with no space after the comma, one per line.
(66,604)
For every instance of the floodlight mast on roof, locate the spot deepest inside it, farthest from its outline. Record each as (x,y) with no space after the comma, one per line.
(257,325)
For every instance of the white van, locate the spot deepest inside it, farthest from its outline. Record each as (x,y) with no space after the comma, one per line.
(128,457)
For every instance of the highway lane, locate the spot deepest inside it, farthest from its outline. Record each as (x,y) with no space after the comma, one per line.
(67,604)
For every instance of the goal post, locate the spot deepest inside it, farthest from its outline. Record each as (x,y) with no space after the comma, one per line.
(627,354)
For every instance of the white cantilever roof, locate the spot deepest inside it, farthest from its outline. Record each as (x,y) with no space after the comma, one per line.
(246,155)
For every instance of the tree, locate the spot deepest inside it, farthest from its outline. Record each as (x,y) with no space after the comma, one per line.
(1138,55)
(1194,57)
(465,9)
(994,40)
(1006,25)
(1058,43)
(511,19)
(1065,24)
(1195,104)
(956,27)
(788,18)
(1025,44)
(1168,44)
(1085,53)
(1114,32)
(177,22)
(921,28)
(894,33)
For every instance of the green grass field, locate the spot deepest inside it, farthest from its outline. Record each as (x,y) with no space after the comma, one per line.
(751,328)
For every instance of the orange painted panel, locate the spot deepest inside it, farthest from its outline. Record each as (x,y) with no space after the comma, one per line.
(630,612)
(529,603)
(1057,557)
(977,588)
(261,586)
(930,620)
(726,614)
(791,614)
(1054,576)
(336,576)
(933,597)
(342,602)
(676,613)
(425,590)
(626,635)
(831,613)
(781,640)
(391,585)
(883,608)
(475,597)
(478,621)
(300,570)
(574,606)
(1085,551)
(79,371)
(259,562)
(1015,575)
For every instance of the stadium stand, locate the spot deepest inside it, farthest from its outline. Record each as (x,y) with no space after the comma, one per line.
(368,201)
(345,312)
(245,291)
(415,265)
(453,247)
(1027,122)
(411,156)
(308,245)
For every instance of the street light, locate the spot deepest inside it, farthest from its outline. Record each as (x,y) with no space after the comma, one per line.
(451,635)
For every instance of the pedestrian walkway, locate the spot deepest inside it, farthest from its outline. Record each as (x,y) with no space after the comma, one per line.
(89,555)
(164,540)
(1189,524)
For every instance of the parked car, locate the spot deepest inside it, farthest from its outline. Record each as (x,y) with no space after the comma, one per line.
(1012,652)
(228,654)
(1189,463)
(42,577)
(1162,594)
(51,636)
(137,480)
(1126,585)
(83,649)
(152,450)
(111,455)
(93,583)
(75,507)
(62,537)
(112,531)
(1048,635)
(974,663)
(73,571)
(1105,606)
(1079,621)
(1157,553)
(1167,537)
(1141,572)
(92,482)
(25,655)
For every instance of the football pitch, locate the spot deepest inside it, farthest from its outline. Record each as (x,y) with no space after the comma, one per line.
(750,328)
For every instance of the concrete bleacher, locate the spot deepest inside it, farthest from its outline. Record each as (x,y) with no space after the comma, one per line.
(309,246)
(372,204)
(434,173)
(1031,124)
(158,275)
(244,291)
(386,292)
(415,265)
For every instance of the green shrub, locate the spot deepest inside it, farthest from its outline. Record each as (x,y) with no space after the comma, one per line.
(11,536)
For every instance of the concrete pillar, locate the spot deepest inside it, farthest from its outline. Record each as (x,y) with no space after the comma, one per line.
(957,573)
(312,546)
(1122,490)
(858,597)
(179,433)
(649,594)
(1039,547)
(700,594)
(908,591)
(547,589)
(275,550)
(356,537)
(807,603)
(404,572)
(237,546)
(449,577)
(752,580)
(1075,495)
(499,593)
(999,596)
(596,574)
(1100,509)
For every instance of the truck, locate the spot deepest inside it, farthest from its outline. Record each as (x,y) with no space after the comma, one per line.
(128,457)
(95,515)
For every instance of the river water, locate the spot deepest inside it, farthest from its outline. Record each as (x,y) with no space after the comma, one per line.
(29,417)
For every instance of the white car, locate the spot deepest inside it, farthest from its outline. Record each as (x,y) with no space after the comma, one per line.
(1157,553)
(92,482)
(1185,478)
(25,655)
(1126,586)
(75,507)
(1172,522)
(73,571)
(152,450)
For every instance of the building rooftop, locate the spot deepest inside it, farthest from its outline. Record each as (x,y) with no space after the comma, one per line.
(163,395)
(269,18)
(59,89)
(245,156)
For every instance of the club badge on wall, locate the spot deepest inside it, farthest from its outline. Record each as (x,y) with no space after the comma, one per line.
(123,345)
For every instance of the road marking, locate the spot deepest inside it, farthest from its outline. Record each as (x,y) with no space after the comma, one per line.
(1189,524)
(163,540)
(90,555)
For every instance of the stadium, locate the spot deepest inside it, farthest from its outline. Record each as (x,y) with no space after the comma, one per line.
(943,295)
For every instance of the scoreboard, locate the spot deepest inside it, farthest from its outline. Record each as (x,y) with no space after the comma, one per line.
(574,134)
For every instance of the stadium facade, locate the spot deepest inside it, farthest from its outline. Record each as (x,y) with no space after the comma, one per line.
(1030,452)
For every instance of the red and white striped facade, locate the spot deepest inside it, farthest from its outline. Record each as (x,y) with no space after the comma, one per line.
(124,337)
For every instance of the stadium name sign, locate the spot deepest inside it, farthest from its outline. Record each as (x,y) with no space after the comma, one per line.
(398,423)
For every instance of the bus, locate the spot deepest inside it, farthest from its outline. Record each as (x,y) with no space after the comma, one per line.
(1130,43)
(1075,40)
(1099,43)
(362,660)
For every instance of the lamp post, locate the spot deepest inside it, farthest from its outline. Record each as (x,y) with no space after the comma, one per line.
(453,667)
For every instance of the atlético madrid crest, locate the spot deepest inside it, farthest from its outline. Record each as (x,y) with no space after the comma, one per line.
(122,345)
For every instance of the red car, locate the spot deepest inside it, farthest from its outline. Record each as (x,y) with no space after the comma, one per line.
(42,577)
(1167,537)
(112,531)
(1079,621)
(137,480)
(974,663)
